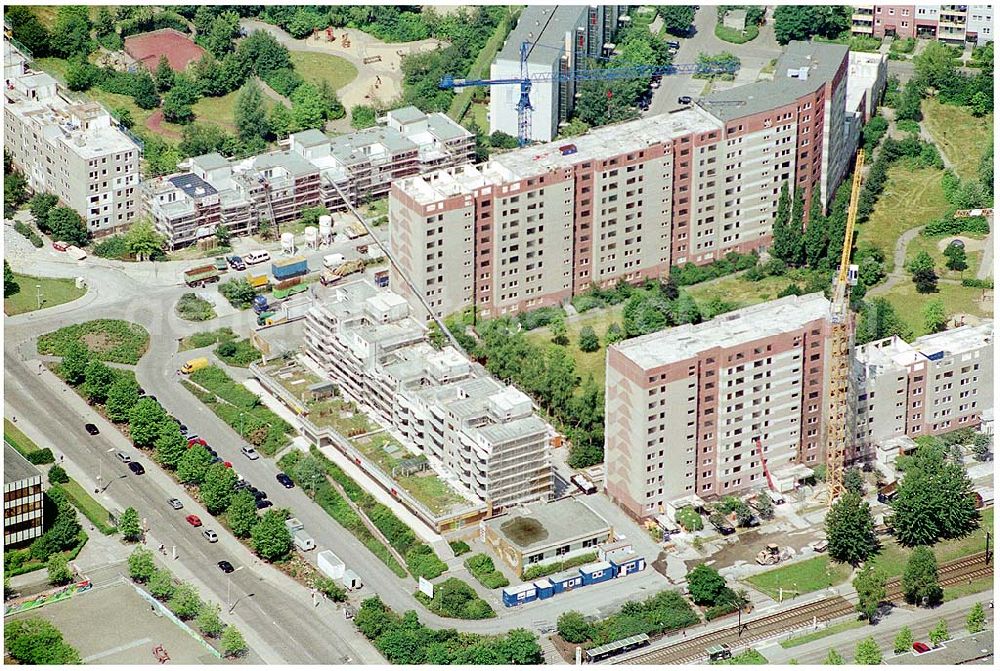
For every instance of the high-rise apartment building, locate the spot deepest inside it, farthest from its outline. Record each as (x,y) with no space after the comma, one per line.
(444,406)
(22,499)
(535,226)
(561,40)
(73,150)
(937,383)
(954,24)
(718,407)
(312,170)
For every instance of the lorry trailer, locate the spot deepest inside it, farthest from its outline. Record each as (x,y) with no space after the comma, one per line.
(284,269)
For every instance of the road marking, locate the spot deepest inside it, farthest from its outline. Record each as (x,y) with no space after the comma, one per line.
(121,648)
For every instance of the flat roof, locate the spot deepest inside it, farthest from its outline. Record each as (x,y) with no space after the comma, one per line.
(818,60)
(191,184)
(545,26)
(897,351)
(548,523)
(16,467)
(745,325)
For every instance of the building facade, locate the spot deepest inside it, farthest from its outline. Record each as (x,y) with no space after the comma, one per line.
(535,226)
(313,170)
(719,407)
(561,40)
(444,406)
(22,499)
(937,383)
(954,24)
(73,150)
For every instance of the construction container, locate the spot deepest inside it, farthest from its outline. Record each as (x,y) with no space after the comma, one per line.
(284,269)
(331,565)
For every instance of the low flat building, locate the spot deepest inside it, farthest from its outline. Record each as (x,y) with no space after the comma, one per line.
(545,533)
(22,499)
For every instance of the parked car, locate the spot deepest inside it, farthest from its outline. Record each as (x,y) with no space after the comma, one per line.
(221,264)
(820,545)
(673,44)
(175,504)
(263,503)
(92,429)
(136,467)
(210,535)
(684,100)
(249,453)
(225,566)
(236,262)
(285,481)
(60,246)
(193,520)
(921,648)
(259,495)
(122,457)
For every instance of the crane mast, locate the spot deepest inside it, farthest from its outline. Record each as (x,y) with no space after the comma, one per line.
(840,346)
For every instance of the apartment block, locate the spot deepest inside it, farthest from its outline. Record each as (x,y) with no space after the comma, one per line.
(483,434)
(937,383)
(534,226)
(719,407)
(311,170)
(71,149)
(954,24)
(561,40)
(22,499)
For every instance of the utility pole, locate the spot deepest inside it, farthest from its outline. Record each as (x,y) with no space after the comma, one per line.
(38,295)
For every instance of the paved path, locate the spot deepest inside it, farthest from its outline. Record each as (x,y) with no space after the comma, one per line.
(986,264)
(898,263)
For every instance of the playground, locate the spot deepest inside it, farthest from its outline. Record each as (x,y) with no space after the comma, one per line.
(114,625)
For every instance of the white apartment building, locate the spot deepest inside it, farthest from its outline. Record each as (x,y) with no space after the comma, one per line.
(73,150)
(447,408)
(717,408)
(937,383)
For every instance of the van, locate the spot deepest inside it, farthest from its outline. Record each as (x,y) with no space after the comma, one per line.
(210,536)
(776,498)
(122,457)
(194,364)
(259,256)
(331,261)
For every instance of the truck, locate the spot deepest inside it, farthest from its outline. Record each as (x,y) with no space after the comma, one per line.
(341,271)
(584,484)
(330,565)
(354,231)
(260,304)
(382,278)
(263,317)
(76,253)
(284,269)
(200,276)
(258,282)
(195,364)
(331,261)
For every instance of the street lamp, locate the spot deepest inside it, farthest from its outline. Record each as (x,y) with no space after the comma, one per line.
(38,295)
(229,587)
(100,472)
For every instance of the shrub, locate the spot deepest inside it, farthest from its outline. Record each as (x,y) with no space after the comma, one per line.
(689,519)
(194,309)
(459,547)
(539,570)
(952,226)
(538,318)
(573,627)
(58,476)
(482,569)
(422,561)
(719,610)
(106,339)
(908,126)
(28,232)
(42,456)
(586,302)
(455,598)
(112,247)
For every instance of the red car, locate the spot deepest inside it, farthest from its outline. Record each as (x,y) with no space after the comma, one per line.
(921,648)
(196,441)
(227,464)
(60,246)
(193,520)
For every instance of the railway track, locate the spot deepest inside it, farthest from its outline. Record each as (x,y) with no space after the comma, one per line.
(823,610)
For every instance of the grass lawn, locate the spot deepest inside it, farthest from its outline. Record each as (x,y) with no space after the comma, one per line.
(86,504)
(822,633)
(316,67)
(742,291)
(803,576)
(207,338)
(727,34)
(112,340)
(54,291)
(930,245)
(17,439)
(961,136)
(587,363)
(912,197)
(113,100)
(56,67)
(477,112)
(909,305)
(958,591)
(219,111)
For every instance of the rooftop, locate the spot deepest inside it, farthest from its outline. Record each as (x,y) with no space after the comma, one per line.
(895,351)
(545,26)
(16,467)
(749,324)
(407,114)
(801,69)
(550,523)
(192,185)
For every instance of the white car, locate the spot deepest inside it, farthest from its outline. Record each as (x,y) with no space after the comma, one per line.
(259,256)
(249,453)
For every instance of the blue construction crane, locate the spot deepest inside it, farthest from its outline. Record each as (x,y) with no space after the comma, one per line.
(525,81)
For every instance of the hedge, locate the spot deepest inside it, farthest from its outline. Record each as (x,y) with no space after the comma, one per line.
(539,570)
(952,226)
(482,569)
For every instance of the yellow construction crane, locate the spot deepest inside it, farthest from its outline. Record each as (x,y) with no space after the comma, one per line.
(840,350)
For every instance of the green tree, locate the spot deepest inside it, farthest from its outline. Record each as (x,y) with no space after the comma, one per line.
(921,261)
(280,120)
(833,657)
(956,257)
(58,569)
(677,19)
(854,481)
(925,280)
(705,585)
(870,586)
(57,475)
(141,566)
(558,328)
(574,627)
(242,514)
(71,33)
(74,363)
(41,203)
(308,108)
(787,239)
(765,506)
(920,578)
(193,465)
(903,641)
(816,238)
(935,317)
(80,75)
(309,473)
(161,585)
(233,644)
(588,340)
(879,320)
(250,116)
(239,293)
(976,621)
(142,240)
(934,500)
(27,29)
(208,620)
(798,22)
(128,525)
(867,653)
(271,538)
(936,65)
(500,140)
(613,334)
(36,641)
(145,420)
(939,634)
(222,234)
(98,378)
(850,530)
(122,396)
(217,488)
(163,75)
(65,224)
(10,285)
(185,603)
(178,101)
(170,445)
(224,29)
(15,191)
(363,116)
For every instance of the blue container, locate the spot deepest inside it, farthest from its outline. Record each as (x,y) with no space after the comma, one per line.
(544,588)
(566,581)
(285,269)
(601,571)
(515,596)
(627,564)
